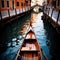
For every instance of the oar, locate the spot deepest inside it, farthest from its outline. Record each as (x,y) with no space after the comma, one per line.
(44,54)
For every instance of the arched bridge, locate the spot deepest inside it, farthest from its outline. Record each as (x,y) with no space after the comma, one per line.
(32,7)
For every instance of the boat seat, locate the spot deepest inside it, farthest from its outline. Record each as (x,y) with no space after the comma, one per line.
(29,50)
(30,40)
(30,55)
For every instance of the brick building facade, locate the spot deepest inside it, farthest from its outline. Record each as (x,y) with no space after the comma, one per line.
(11,4)
(52,13)
(13,7)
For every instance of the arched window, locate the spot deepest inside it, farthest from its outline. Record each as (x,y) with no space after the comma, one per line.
(17,3)
(7,3)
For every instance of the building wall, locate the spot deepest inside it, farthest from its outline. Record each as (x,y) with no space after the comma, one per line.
(9,8)
(55,3)
(11,4)
(52,13)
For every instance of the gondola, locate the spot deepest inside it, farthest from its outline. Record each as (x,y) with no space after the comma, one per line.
(30,48)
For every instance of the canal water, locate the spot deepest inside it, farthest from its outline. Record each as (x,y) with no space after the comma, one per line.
(15,31)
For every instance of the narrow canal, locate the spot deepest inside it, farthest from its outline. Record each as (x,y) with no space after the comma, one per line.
(15,32)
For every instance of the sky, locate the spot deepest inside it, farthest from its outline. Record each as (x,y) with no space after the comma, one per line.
(33,2)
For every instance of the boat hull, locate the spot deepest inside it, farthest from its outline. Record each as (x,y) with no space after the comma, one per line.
(30,48)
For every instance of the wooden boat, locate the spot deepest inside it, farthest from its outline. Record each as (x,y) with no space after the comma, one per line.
(30,49)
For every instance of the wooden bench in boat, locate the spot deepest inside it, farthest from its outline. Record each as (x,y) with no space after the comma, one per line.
(32,55)
(30,40)
(30,45)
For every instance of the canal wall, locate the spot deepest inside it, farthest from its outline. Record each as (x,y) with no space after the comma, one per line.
(52,15)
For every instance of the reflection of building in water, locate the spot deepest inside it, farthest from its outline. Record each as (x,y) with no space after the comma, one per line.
(33,17)
(53,41)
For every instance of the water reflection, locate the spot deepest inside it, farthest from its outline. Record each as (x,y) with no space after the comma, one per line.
(38,26)
(53,41)
(15,33)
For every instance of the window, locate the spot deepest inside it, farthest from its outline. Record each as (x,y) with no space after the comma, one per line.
(21,3)
(26,3)
(2,4)
(13,4)
(54,3)
(17,3)
(7,3)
